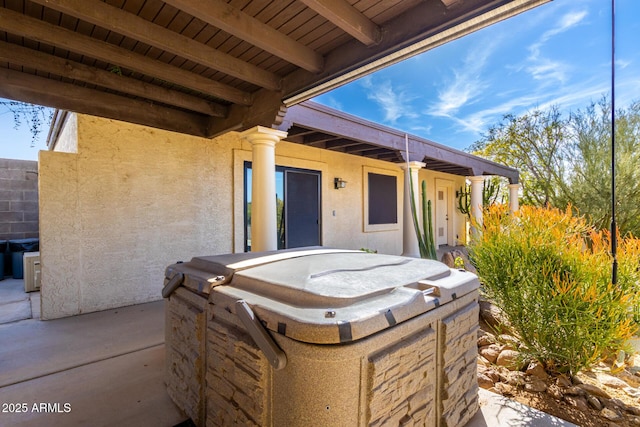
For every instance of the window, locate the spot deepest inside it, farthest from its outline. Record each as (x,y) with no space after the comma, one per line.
(297,207)
(381,200)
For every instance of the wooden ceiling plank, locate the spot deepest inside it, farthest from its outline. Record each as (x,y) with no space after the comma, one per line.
(233,21)
(24,26)
(347,18)
(73,70)
(125,23)
(65,96)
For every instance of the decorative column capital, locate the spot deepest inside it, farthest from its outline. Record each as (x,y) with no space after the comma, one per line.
(515,186)
(477,178)
(414,165)
(262,135)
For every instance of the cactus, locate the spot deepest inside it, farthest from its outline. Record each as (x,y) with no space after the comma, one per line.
(463,201)
(491,194)
(426,241)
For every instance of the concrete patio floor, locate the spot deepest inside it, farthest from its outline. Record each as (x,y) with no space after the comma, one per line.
(108,368)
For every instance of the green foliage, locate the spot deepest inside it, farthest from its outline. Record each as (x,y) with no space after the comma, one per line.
(34,116)
(492,193)
(426,241)
(566,160)
(369,251)
(535,144)
(551,275)
(590,173)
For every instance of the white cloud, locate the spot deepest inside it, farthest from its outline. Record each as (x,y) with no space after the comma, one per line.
(545,69)
(395,102)
(467,84)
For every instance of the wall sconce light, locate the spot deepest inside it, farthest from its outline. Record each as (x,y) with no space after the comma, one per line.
(339,183)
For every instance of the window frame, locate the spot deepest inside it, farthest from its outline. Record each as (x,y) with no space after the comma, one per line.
(372,228)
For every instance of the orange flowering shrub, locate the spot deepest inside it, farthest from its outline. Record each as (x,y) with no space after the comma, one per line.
(550,272)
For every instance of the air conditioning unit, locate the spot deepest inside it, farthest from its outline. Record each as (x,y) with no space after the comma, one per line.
(31,265)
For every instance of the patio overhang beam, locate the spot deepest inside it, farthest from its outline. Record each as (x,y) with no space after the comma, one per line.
(424,27)
(359,136)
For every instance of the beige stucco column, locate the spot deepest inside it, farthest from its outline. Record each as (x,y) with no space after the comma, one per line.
(263,140)
(410,246)
(477,185)
(513,197)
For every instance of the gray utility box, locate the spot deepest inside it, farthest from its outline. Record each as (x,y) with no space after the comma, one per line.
(319,337)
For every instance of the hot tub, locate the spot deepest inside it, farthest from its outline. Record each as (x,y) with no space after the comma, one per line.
(320,337)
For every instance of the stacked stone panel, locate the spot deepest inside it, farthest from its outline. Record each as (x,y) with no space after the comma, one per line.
(402,381)
(185,352)
(458,360)
(237,378)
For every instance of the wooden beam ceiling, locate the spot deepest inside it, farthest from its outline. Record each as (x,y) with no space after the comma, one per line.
(73,70)
(233,21)
(21,25)
(217,65)
(348,18)
(114,19)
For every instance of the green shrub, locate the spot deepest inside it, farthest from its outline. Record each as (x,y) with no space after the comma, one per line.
(550,272)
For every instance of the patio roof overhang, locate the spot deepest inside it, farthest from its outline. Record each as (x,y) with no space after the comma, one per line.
(207,67)
(316,125)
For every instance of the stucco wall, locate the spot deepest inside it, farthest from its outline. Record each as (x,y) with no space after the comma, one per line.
(130,202)
(342,210)
(133,200)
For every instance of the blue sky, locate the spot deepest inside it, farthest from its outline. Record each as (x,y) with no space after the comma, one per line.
(557,54)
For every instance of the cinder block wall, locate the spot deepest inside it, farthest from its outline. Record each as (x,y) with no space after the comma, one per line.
(18,199)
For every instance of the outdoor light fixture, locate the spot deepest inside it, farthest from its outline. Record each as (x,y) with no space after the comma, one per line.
(339,183)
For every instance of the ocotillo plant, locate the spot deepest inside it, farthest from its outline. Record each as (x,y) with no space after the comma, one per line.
(426,242)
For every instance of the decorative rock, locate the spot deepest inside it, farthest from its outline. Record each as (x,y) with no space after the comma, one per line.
(536,386)
(482,361)
(509,341)
(485,339)
(536,370)
(510,359)
(554,391)
(495,377)
(611,414)
(611,381)
(594,390)
(575,391)
(490,352)
(504,389)
(563,381)
(631,391)
(594,402)
(491,314)
(516,378)
(578,402)
(634,421)
(633,410)
(485,382)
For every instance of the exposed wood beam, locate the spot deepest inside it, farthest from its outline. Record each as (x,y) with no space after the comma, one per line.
(319,138)
(34,29)
(234,21)
(340,143)
(427,25)
(114,19)
(361,148)
(449,3)
(66,96)
(19,55)
(357,130)
(300,132)
(348,18)
(267,110)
